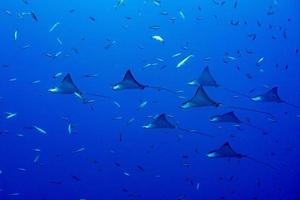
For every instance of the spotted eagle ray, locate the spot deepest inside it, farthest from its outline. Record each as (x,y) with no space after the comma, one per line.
(271,96)
(206,79)
(161,122)
(226,151)
(129,82)
(230,117)
(66,86)
(201,99)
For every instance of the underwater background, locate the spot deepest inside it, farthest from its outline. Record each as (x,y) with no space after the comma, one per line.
(93,145)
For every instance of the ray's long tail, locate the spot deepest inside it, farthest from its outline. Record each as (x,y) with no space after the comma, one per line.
(261,162)
(195,132)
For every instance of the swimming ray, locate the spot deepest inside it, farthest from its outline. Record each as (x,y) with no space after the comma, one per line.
(230,117)
(66,86)
(161,122)
(207,79)
(129,82)
(201,99)
(226,151)
(271,96)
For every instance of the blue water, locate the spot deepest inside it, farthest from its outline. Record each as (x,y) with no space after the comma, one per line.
(147,163)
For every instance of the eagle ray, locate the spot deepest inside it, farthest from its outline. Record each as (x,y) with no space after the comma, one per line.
(271,96)
(230,117)
(129,82)
(161,122)
(226,151)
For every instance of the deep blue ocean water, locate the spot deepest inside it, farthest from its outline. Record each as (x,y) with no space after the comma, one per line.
(249,46)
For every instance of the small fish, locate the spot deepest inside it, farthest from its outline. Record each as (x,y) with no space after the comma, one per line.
(149,65)
(181,14)
(12,79)
(89,101)
(70,129)
(79,95)
(258,63)
(10,115)
(57,75)
(33,15)
(143,104)
(49,55)
(176,55)
(76,178)
(54,27)
(26,46)
(198,185)
(35,82)
(16,34)
(158,38)
(22,14)
(182,62)
(159,59)
(117,104)
(22,169)
(156,2)
(79,150)
(57,54)
(92,18)
(126,173)
(59,41)
(231,57)
(164,13)
(131,120)
(154,27)
(40,130)
(36,150)
(140,167)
